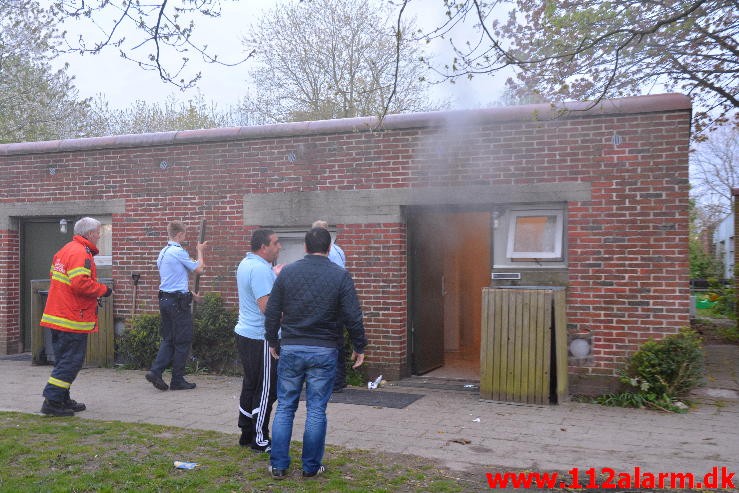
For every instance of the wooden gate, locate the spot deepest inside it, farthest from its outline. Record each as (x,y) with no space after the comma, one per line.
(523,345)
(100,345)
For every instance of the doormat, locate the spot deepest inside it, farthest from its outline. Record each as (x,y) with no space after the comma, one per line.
(376,398)
(17,357)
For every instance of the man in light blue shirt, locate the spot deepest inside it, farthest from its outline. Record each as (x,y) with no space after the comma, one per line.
(175,266)
(254,278)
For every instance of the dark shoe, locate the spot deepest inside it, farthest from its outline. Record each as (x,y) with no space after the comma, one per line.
(319,471)
(156,380)
(74,405)
(245,438)
(261,448)
(53,408)
(277,473)
(181,385)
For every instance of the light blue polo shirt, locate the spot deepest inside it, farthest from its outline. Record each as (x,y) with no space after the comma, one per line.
(175,265)
(254,278)
(336,255)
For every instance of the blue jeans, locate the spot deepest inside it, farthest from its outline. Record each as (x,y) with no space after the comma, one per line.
(316,366)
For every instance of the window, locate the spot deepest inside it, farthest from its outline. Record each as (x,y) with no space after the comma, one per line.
(530,236)
(293,243)
(535,234)
(105,243)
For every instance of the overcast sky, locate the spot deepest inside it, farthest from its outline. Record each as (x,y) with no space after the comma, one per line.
(123,82)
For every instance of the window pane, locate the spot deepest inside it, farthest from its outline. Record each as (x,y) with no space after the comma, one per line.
(292,249)
(105,243)
(535,234)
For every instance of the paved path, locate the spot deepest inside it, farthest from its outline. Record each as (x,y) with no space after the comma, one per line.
(500,435)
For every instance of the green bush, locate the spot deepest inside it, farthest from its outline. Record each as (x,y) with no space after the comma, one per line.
(213,347)
(661,372)
(137,347)
(724,302)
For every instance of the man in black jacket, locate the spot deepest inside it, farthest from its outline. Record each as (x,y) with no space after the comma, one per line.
(312,300)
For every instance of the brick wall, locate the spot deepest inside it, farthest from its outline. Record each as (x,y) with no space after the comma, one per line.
(627,245)
(10,340)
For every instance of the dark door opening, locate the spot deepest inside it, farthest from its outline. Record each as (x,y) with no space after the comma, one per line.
(449,264)
(41,238)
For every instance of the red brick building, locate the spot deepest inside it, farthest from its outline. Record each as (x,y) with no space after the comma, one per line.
(591,199)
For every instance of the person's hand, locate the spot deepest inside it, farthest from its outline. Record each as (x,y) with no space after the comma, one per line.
(201,246)
(273,352)
(358,359)
(197,297)
(108,292)
(277,269)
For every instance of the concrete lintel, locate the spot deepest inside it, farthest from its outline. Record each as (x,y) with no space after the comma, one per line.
(58,208)
(384,205)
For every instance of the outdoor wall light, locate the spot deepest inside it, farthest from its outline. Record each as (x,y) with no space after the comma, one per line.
(580,348)
(164,164)
(62,226)
(52,169)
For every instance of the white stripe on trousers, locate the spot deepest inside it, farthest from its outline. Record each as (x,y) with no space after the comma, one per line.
(264,398)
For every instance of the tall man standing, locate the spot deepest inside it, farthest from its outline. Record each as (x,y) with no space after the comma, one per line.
(71,313)
(175,298)
(254,278)
(311,302)
(337,256)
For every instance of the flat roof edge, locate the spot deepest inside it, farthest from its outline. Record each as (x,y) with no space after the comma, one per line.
(532,112)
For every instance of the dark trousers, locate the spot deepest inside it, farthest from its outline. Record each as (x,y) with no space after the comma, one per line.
(69,352)
(176,332)
(258,389)
(340,379)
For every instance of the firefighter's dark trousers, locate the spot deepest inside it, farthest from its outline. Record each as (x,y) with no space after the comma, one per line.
(69,354)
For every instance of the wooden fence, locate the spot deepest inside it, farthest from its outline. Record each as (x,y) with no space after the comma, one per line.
(523,350)
(100,345)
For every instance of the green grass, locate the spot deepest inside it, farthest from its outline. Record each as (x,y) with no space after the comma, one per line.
(41,454)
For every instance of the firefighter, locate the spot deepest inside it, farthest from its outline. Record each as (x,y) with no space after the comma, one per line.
(71,313)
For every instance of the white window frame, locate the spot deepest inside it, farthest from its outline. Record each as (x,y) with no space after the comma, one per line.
(556,254)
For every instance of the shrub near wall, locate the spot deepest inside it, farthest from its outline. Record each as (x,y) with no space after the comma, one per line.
(661,372)
(213,347)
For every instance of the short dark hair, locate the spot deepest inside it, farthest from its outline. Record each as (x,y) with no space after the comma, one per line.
(174,228)
(259,238)
(317,240)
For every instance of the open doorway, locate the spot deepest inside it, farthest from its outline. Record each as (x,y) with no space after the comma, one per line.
(449,264)
(41,238)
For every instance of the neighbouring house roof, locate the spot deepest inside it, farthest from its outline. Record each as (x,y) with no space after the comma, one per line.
(532,112)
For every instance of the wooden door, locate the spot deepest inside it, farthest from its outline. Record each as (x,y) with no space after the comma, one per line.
(426,267)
